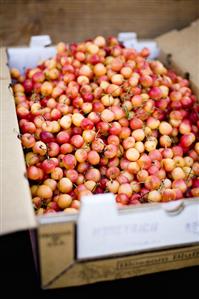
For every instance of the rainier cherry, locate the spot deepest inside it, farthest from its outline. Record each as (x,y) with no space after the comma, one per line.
(98,117)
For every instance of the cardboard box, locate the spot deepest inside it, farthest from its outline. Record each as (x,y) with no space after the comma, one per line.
(80,249)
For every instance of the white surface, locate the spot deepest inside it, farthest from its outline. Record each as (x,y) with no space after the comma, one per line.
(23,58)
(29,57)
(103,231)
(126,36)
(40,41)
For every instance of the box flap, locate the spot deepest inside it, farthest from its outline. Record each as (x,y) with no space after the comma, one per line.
(183,50)
(40,41)
(125,266)
(16,208)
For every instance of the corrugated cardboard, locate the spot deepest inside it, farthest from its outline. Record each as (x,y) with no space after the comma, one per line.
(57,234)
(180,49)
(60,266)
(57,249)
(81,273)
(16,207)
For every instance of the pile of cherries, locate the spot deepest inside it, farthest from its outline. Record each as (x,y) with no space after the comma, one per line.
(99,117)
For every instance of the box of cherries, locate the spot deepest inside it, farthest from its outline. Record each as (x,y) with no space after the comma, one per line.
(110,137)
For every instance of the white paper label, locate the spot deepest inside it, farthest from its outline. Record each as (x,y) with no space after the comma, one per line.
(103,231)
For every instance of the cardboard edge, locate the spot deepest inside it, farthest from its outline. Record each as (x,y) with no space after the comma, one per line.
(16,208)
(89,272)
(56,244)
(169,56)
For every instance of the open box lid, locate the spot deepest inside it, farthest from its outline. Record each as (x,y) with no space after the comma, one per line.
(15,199)
(180,48)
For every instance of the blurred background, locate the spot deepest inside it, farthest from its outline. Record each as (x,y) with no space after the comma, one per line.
(76,20)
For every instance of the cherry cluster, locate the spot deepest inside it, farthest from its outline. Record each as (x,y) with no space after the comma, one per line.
(99,117)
